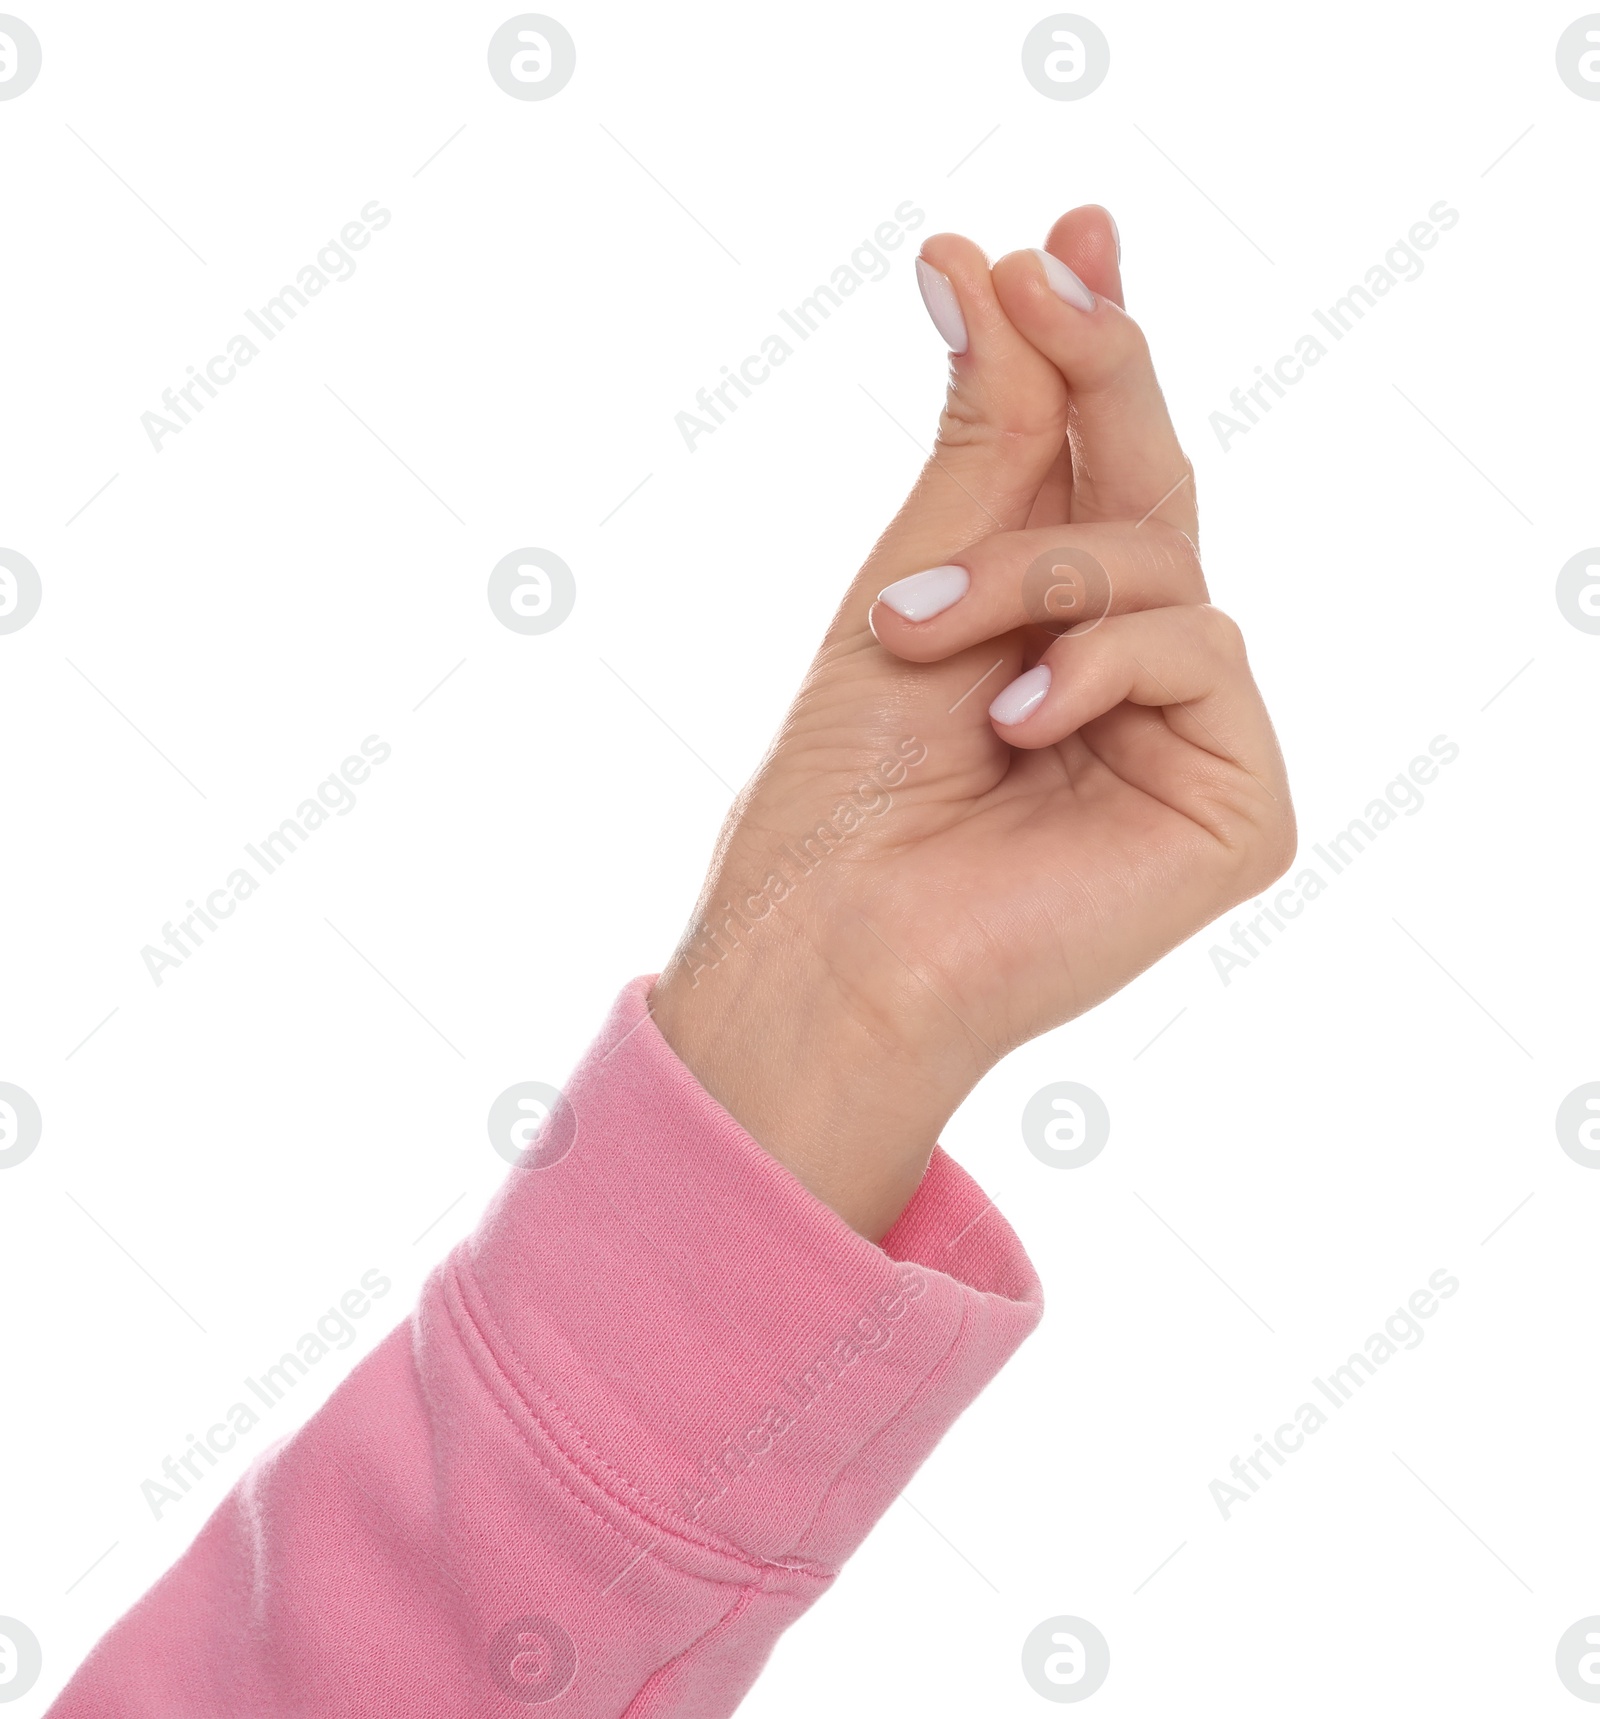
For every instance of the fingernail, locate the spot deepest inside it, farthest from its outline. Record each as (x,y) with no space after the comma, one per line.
(943,305)
(1022,697)
(921,596)
(1116,233)
(1064,283)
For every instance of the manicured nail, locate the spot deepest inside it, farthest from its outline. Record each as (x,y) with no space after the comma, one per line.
(943,305)
(1116,233)
(1022,697)
(921,596)
(1064,283)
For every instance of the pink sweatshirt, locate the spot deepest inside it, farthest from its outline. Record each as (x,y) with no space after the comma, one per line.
(639,1419)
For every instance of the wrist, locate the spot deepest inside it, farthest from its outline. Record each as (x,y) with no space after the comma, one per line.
(822,1075)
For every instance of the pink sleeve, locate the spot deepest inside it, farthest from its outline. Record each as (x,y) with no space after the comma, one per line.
(636,1424)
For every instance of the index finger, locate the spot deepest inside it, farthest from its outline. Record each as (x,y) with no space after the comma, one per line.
(1127,462)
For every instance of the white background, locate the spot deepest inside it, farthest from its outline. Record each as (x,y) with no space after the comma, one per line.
(1355,1110)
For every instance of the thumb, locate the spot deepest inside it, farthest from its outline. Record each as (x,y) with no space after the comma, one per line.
(1002,427)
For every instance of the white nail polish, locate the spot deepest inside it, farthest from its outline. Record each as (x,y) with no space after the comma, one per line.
(921,596)
(943,305)
(1064,283)
(1022,697)
(1116,233)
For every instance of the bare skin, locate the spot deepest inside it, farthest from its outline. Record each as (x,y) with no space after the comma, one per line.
(996,878)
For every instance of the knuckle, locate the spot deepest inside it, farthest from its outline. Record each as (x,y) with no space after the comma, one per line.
(1223,635)
(1277,843)
(1016,419)
(1132,345)
(1119,352)
(1189,480)
(1256,826)
(960,425)
(1176,481)
(1182,556)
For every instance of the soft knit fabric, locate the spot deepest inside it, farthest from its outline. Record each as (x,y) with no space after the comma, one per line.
(637,1422)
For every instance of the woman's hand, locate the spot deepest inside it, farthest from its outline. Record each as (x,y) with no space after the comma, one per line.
(1028,759)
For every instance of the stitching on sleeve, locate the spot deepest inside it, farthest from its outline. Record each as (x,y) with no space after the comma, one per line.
(481,1354)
